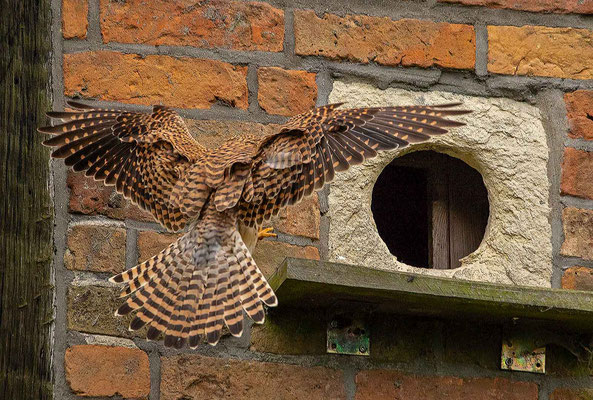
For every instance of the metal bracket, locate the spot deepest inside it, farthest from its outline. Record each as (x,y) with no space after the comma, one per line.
(522,352)
(348,335)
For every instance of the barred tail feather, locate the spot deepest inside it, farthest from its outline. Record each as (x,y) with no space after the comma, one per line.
(197,285)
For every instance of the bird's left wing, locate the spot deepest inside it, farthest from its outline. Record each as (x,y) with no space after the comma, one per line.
(307,151)
(142,154)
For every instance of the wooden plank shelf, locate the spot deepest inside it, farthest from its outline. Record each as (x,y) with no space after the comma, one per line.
(308,284)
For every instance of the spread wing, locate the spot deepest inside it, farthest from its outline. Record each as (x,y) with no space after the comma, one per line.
(311,147)
(142,154)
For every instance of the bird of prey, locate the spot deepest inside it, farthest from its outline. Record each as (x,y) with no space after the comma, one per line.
(220,197)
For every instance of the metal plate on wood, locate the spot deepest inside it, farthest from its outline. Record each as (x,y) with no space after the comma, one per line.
(521,353)
(348,335)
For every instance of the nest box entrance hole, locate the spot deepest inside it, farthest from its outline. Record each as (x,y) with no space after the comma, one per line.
(430,209)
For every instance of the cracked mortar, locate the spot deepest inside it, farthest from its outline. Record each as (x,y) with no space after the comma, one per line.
(505,141)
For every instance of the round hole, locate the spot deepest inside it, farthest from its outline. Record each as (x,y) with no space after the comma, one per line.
(430,209)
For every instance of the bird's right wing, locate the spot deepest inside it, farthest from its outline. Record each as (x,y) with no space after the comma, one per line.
(307,151)
(142,154)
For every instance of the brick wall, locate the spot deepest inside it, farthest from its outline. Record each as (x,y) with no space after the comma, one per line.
(235,66)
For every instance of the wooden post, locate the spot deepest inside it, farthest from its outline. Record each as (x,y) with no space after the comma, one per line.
(26,214)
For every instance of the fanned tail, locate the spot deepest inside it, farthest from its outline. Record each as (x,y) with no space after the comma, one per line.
(198,284)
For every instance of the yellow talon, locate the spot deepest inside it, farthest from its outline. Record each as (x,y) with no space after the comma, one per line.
(264,233)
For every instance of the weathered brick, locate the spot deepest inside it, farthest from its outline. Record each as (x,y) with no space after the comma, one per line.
(577,173)
(302,219)
(578,233)
(269,255)
(212,133)
(540,51)
(91,309)
(93,370)
(91,198)
(178,82)
(286,92)
(227,24)
(386,384)
(151,243)
(579,106)
(366,39)
(571,394)
(578,278)
(286,332)
(198,377)
(74,18)
(98,248)
(549,6)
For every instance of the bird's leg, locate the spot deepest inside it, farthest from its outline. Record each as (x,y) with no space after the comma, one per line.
(265,232)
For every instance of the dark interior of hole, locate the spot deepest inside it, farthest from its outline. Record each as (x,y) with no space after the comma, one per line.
(430,209)
(401,215)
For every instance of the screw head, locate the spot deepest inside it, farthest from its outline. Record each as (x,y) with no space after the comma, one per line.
(508,362)
(362,349)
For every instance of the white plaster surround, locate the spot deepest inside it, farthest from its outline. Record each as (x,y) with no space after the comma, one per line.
(505,141)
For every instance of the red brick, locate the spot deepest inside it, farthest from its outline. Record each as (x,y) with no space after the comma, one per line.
(365,39)
(269,255)
(93,370)
(74,18)
(286,92)
(198,377)
(384,384)
(571,394)
(302,219)
(221,23)
(178,82)
(579,106)
(578,233)
(577,173)
(578,278)
(151,243)
(96,248)
(540,51)
(550,6)
(91,198)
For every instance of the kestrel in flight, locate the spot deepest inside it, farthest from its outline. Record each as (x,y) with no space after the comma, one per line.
(222,196)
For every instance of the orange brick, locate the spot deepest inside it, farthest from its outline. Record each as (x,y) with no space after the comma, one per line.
(364,39)
(178,82)
(385,384)
(198,377)
(74,18)
(96,248)
(549,6)
(151,243)
(269,255)
(286,92)
(302,219)
(577,173)
(107,371)
(579,106)
(90,197)
(578,233)
(578,278)
(540,51)
(221,23)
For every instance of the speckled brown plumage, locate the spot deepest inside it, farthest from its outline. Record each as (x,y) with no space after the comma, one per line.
(207,277)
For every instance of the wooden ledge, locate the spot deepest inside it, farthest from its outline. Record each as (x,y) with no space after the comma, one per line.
(316,284)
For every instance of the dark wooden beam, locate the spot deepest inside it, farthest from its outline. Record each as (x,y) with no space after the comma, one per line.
(26,214)
(308,284)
